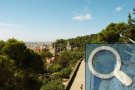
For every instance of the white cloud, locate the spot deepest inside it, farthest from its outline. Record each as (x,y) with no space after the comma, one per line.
(83,17)
(119,8)
(7,25)
(8,30)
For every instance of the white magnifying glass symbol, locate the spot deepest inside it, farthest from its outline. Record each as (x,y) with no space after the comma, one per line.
(124,78)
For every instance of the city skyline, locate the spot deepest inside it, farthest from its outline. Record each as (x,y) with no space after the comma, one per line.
(48,20)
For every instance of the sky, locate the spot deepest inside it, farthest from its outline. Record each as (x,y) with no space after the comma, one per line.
(49,20)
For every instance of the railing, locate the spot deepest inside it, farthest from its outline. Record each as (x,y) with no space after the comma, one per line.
(73,75)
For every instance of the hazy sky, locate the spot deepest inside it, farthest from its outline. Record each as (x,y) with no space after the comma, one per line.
(48,20)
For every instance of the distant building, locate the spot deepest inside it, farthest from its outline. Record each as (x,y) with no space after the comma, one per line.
(38,49)
(42,47)
(68,47)
(50,60)
(52,49)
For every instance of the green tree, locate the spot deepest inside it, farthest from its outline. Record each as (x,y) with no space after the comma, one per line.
(53,85)
(54,68)
(46,54)
(19,66)
(130,20)
(24,58)
(6,73)
(33,61)
(2,43)
(111,33)
(133,20)
(65,58)
(65,73)
(15,50)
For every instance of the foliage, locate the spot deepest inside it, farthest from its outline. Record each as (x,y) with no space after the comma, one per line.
(78,42)
(6,72)
(2,43)
(66,57)
(130,20)
(54,68)
(24,58)
(111,33)
(15,50)
(131,23)
(13,79)
(65,73)
(46,54)
(53,85)
(19,66)
(33,62)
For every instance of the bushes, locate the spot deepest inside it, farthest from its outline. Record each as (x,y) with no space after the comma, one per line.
(6,73)
(54,68)
(19,66)
(56,75)
(65,73)
(66,57)
(12,78)
(23,57)
(46,54)
(53,85)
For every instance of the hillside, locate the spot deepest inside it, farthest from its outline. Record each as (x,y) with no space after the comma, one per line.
(113,33)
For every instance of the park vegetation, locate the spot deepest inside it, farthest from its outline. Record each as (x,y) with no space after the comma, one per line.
(111,34)
(24,69)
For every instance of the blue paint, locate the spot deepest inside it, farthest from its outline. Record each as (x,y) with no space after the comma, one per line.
(104,62)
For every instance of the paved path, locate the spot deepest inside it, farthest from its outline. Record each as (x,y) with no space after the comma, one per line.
(79,80)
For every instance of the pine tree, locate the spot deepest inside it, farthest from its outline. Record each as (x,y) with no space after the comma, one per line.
(133,10)
(133,20)
(130,20)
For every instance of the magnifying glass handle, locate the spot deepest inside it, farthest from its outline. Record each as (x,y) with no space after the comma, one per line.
(125,79)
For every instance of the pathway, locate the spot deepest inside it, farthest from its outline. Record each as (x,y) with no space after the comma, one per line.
(79,81)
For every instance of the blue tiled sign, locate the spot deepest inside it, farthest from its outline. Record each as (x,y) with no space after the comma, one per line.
(105,62)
